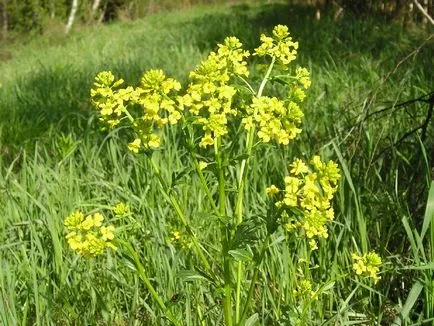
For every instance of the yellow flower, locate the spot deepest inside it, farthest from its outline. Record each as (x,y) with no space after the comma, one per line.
(298,167)
(154,141)
(280,46)
(207,140)
(303,76)
(134,146)
(367,265)
(88,223)
(272,190)
(309,191)
(87,236)
(121,209)
(74,220)
(178,238)
(175,236)
(304,289)
(120,106)
(273,119)
(313,244)
(209,96)
(107,232)
(202,165)
(97,219)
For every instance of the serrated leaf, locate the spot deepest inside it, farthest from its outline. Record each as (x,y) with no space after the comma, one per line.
(241,254)
(246,233)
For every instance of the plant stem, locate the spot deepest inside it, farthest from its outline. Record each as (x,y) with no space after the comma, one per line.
(249,145)
(241,187)
(147,283)
(227,301)
(221,178)
(174,202)
(253,281)
(199,171)
(204,184)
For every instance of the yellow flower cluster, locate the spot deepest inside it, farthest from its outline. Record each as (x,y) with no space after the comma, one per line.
(308,190)
(280,46)
(304,290)
(297,93)
(209,96)
(121,209)
(303,77)
(145,108)
(87,235)
(178,238)
(367,265)
(274,119)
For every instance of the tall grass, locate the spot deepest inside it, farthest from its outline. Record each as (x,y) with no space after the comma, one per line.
(54,160)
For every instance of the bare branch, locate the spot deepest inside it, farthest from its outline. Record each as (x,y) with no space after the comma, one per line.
(423,11)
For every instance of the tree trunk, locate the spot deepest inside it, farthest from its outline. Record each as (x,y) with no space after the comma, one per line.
(425,7)
(52,9)
(72,15)
(95,6)
(317,10)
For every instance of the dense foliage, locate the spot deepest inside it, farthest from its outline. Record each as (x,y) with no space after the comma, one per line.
(18,18)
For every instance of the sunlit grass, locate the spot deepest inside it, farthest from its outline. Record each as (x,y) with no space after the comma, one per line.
(54,160)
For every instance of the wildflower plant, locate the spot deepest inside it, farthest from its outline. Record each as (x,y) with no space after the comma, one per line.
(367,265)
(87,235)
(220,105)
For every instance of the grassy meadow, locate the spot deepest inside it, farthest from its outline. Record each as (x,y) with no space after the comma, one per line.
(55,159)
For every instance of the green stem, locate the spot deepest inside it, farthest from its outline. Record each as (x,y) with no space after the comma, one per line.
(181,216)
(227,300)
(203,183)
(253,281)
(249,145)
(240,274)
(241,186)
(147,283)
(198,170)
(221,178)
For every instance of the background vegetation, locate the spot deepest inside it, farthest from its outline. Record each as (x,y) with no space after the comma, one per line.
(369,108)
(38,17)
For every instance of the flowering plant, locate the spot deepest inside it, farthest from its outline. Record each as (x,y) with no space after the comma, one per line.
(224,120)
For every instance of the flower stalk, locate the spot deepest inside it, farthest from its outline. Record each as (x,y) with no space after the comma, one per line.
(241,189)
(174,202)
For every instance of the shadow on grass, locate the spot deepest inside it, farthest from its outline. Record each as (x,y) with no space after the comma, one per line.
(58,97)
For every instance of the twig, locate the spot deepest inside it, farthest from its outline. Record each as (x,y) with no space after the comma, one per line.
(423,11)
(413,53)
(422,126)
(402,104)
(428,117)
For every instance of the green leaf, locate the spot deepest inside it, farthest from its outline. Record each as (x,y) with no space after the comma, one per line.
(422,266)
(253,320)
(246,233)
(409,303)
(429,211)
(241,254)
(191,276)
